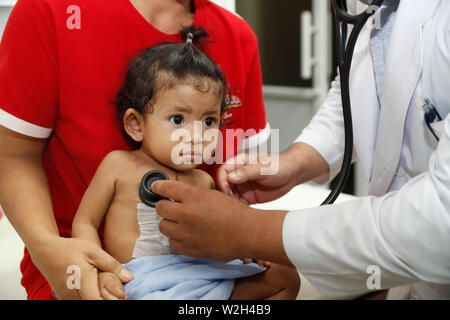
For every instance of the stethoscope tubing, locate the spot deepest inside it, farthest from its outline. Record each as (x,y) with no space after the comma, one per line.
(345,55)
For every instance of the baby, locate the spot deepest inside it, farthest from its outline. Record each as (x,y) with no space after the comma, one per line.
(170,91)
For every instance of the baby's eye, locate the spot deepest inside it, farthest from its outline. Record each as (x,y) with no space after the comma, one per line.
(177,119)
(210,121)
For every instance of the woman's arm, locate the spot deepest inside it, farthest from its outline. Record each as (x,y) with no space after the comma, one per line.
(24,191)
(26,201)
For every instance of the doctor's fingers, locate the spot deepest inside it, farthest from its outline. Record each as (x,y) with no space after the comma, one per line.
(171,230)
(232,165)
(175,190)
(188,247)
(171,210)
(226,180)
(245,193)
(222,180)
(250,172)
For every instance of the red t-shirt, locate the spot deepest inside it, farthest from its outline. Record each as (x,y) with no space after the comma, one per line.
(62,63)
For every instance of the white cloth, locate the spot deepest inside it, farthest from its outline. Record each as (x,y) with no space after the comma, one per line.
(160,274)
(151,241)
(404,226)
(178,277)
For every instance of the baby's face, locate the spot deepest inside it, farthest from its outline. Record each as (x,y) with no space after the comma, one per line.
(181,132)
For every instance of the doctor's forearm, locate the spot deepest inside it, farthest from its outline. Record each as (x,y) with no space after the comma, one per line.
(261,234)
(262,230)
(308,163)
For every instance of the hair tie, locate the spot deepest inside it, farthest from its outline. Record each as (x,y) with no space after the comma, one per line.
(189,37)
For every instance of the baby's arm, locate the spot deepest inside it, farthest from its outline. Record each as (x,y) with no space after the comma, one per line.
(90,214)
(96,200)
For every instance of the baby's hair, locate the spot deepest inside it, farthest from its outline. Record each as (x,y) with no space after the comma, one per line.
(162,67)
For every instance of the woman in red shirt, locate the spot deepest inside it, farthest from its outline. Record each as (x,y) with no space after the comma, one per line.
(61,65)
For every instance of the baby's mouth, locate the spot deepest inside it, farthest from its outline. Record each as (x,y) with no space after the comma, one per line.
(192,157)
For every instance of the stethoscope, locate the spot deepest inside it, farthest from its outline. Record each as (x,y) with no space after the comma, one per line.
(345,51)
(146,194)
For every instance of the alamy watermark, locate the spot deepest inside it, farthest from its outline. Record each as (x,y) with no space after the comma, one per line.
(376,24)
(73,22)
(211,146)
(374,280)
(74,279)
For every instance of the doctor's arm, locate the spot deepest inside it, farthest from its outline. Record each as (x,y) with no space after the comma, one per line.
(404,234)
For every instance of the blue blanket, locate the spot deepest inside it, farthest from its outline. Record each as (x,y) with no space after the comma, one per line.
(178,277)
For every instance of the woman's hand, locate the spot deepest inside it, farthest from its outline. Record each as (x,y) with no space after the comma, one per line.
(258,177)
(55,255)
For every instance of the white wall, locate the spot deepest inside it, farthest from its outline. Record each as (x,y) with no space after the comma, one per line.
(227,4)
(11,250)
(7,3)
(5,10)
(288,109)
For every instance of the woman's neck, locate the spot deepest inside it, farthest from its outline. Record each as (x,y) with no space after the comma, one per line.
(168,16)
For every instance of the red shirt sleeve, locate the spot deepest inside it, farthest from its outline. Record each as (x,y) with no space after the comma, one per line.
(29,70)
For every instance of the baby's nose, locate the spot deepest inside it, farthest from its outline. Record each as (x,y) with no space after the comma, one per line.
(195,134)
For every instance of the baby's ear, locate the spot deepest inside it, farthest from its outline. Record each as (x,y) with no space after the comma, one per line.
(133,124)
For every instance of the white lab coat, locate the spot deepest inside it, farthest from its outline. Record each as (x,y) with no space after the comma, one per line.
(403,228)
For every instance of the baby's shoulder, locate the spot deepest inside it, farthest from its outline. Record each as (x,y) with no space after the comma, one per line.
(117,157)
(115,160)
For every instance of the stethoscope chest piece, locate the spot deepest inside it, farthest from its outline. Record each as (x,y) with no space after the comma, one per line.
(145,192)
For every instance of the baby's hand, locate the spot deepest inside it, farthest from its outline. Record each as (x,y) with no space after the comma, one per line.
(110,286)
(260,263)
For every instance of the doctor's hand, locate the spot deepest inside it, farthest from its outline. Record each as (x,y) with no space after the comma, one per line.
(257,177)
(209,224)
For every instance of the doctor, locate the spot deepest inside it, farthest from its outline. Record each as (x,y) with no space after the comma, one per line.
(403,228)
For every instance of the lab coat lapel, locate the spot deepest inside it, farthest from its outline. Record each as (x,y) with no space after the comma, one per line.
(402,73)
